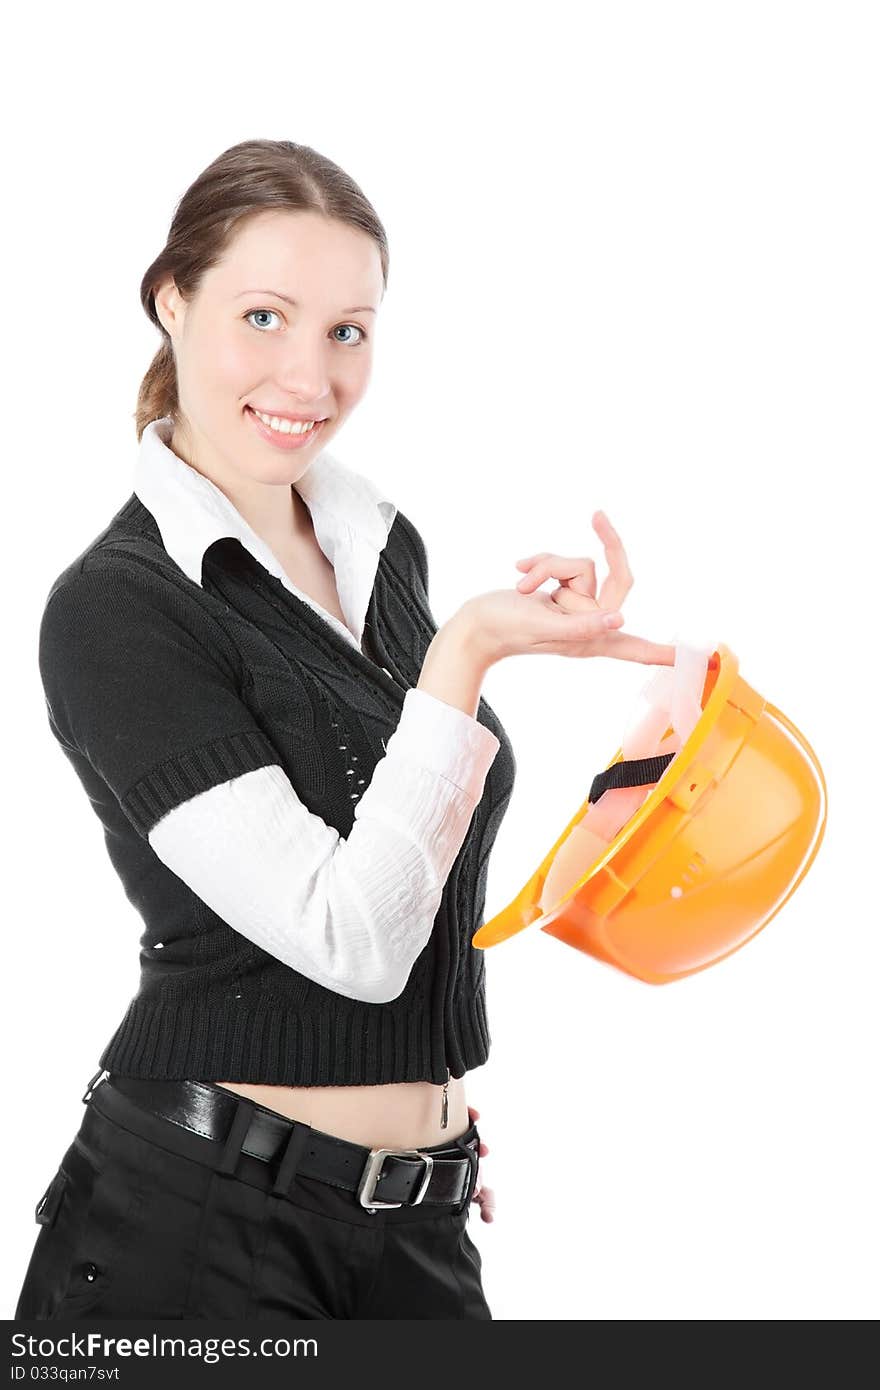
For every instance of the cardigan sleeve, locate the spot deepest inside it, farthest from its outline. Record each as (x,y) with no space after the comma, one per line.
(139,684)
(142,683)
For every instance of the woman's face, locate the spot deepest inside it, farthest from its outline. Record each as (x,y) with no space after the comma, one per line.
(240,345)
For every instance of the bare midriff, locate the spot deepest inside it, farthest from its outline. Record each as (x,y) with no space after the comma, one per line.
(402,1115)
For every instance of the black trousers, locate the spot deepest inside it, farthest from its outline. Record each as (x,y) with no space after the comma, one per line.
(136,1222)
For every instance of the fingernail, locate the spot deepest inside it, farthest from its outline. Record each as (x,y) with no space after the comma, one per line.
(612,619)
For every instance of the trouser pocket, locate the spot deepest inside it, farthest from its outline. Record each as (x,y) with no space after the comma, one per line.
(88,1217)
(47,1207)
(60,1214)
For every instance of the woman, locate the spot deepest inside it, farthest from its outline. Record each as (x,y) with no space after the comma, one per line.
(300,786)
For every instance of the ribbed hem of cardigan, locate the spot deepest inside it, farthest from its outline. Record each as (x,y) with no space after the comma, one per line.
(276,1047)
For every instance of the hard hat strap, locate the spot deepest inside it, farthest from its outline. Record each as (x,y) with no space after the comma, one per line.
(630,772)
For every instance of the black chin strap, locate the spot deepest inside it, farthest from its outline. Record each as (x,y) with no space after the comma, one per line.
(631,772)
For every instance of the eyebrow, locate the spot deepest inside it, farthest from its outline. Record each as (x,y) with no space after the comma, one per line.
(358,308)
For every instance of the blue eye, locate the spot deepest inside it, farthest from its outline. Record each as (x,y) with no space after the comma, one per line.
(357,328)
(259,311)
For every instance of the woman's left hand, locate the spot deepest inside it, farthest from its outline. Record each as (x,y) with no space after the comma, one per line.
(576,592)
(483,1196)
(578,575)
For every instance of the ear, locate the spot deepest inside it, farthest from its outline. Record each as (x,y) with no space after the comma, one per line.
(170,306)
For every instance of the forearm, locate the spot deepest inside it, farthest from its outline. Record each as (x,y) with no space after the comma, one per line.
(454,668)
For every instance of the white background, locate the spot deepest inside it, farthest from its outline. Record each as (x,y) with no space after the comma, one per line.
(633,267)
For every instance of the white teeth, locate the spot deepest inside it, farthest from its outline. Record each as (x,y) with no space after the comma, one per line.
(285,426)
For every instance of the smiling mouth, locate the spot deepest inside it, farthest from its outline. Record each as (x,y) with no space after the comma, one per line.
(283,425)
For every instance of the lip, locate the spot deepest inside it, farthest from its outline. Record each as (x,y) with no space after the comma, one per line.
(286,414)
(284,441)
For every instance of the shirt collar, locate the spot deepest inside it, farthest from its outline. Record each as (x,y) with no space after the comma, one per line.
(350,515)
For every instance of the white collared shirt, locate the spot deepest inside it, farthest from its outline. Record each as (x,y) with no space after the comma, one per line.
(341,911)
(350,516)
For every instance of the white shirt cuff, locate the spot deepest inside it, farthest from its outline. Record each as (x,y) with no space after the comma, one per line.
(445,740)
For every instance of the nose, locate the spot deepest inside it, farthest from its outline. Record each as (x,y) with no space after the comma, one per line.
(303,373)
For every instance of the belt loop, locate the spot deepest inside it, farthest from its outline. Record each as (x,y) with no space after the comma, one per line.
(296,1142)
(473,1157)
(94,1083)
(236,1136)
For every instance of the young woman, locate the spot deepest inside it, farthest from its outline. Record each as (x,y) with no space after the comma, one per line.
(300,786)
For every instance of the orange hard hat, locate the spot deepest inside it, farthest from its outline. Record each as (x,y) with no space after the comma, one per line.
(712,854)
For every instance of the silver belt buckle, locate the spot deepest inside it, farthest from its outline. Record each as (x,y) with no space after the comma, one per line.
(372,1169)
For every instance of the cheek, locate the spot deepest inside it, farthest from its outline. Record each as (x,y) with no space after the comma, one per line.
(234,364)
(353,381)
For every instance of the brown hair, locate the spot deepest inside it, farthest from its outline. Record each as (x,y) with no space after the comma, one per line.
(247,179)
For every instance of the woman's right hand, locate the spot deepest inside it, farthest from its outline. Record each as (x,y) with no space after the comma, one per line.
(568,622)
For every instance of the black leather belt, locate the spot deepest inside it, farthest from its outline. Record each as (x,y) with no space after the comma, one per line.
(444,1175)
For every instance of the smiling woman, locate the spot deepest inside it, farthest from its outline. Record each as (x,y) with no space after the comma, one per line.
(295,361)
(301,819)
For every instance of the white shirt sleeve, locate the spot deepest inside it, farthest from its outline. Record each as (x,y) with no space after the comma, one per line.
(352,914)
